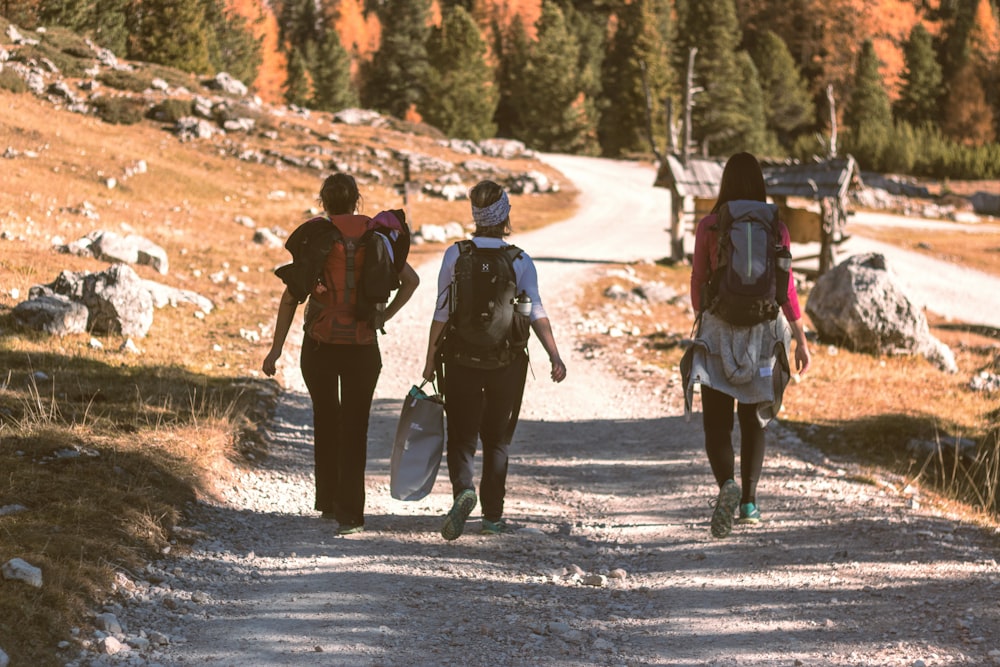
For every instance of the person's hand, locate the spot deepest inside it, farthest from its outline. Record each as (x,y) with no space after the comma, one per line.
(558,370)
(429,373)
(270,365)
(802,357)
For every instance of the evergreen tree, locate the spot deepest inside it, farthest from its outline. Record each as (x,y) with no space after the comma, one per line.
(868,118)
(719,119)
(553,114)
(920,97)
(788,106)
(109,25)
(637,51)
(869,103)
(512,50)
(298,87)
(398,74)
(299,24)
(333,89)
(232,47)
(71,14)
(172,33)
(756,139)
(461,97)
(588,27)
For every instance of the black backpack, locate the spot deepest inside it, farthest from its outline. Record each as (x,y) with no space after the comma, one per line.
(484,331)
(750,282)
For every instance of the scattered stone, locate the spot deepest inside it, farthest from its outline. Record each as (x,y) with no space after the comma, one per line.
(17,569)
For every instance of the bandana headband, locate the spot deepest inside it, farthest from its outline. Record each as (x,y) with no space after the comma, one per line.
(494,214)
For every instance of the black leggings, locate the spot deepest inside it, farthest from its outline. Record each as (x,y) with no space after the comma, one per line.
(341,381)
(717,417)
(479,405)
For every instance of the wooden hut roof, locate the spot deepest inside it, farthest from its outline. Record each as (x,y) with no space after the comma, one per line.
(700,178)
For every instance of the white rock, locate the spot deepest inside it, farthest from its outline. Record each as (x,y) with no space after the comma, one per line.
(19,570)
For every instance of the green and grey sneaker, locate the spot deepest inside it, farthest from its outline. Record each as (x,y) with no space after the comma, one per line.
(494,527)
(454,523)
(749,513)
(350,528)
(725,508)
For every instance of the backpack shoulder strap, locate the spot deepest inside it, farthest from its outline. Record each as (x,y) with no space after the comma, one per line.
(512,252)
(465,246)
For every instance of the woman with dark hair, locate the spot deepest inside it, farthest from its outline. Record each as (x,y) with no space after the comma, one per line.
(757,387)
(481,403)
(340,358)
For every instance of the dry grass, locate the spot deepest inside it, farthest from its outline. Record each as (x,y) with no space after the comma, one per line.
(978,249)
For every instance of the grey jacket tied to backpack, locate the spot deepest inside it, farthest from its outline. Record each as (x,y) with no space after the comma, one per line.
(748,363)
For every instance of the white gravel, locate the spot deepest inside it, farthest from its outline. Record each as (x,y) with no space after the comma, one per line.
(613,563)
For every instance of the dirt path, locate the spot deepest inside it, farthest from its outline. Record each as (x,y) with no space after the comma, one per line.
(613,563)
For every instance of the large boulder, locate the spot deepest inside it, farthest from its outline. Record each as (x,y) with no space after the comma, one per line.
(112,247)
(858,304)
(54,314)
(117,300)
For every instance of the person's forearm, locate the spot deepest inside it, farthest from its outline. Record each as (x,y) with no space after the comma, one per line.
(798,331)
(543,329)
(408,283)
(283,322)
(433,341)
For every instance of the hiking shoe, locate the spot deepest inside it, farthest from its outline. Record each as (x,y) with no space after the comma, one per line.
(494,527)
(725,507)
(749,513)
(350,528)
(454,523)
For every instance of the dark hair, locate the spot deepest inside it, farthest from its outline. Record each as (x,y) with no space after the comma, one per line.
(483,194)
(339,194)
(742,178)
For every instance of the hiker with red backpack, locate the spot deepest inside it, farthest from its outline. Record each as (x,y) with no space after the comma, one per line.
(487,300)
(743,293)
(346,265)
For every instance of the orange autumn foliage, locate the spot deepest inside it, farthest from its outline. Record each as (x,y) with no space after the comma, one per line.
(272,73)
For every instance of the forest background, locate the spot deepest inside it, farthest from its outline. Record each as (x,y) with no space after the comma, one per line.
(906,86)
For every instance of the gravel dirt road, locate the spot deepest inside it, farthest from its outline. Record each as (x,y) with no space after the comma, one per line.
(613,563)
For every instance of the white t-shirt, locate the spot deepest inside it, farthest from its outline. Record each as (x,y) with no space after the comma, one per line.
(524,271)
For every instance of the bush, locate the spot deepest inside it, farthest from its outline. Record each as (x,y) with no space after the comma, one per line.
(119,110)
(9,80)
(68,42)
(135,82)
(171,110)
(67,65)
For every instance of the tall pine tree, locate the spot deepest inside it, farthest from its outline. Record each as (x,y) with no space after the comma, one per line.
(756,139)
(920,97)
(232,47)
(638,59)
(787,103)
(333,89)
(868,117)
(298,86)
(553,114)
(396,79)
(511,47)
(172,33)
(719,119)
(461,96)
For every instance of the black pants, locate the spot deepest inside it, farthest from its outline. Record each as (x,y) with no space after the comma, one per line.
(479,405)
(717,417)
(341,381)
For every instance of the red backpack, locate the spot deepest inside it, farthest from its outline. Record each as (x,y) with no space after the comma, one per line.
(347,306)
